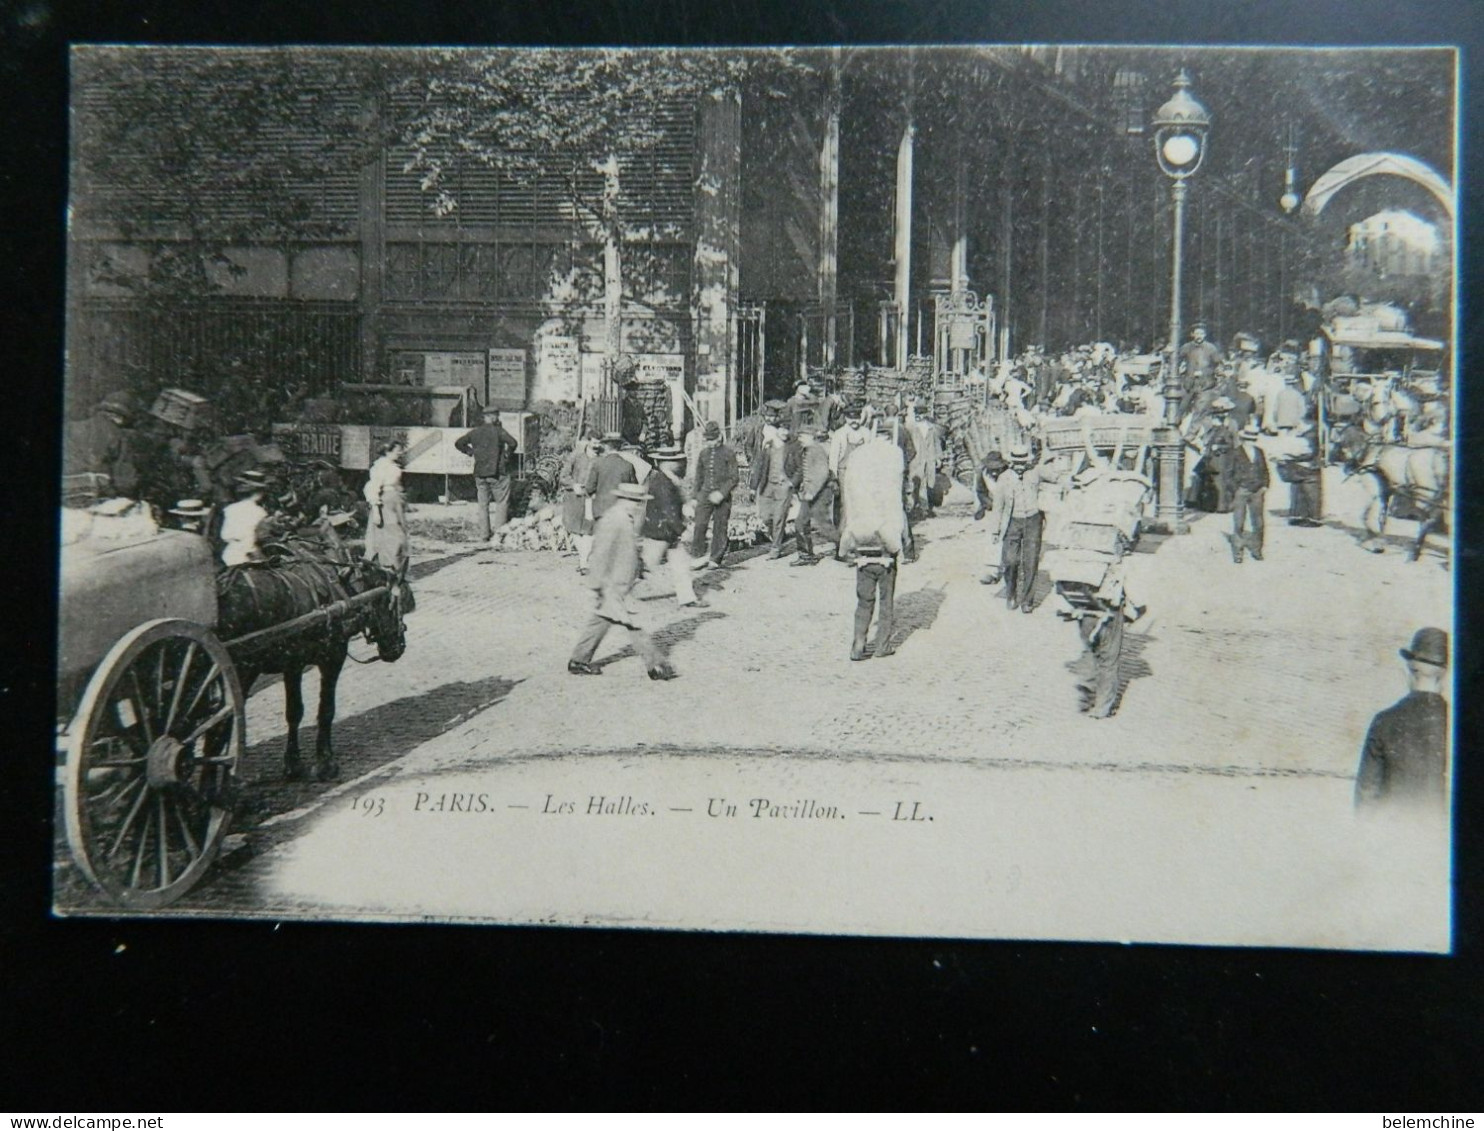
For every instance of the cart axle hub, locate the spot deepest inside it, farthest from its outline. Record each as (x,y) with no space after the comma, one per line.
(162,767)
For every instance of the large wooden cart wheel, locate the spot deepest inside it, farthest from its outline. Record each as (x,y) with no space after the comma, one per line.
(152,757)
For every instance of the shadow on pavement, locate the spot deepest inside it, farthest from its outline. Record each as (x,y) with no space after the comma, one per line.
(362,742)
(667,637)
(916,610)
(419,570)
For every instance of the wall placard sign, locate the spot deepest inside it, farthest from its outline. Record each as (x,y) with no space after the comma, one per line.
(507,377)
(558,366)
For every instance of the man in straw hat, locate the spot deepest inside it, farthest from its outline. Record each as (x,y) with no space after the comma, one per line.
(664,524)
(243,520)
(1249,482)
(190,515)
(612,570)
(1405,757)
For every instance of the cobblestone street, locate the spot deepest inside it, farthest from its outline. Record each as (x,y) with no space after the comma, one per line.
(1247,692)
(1269,667)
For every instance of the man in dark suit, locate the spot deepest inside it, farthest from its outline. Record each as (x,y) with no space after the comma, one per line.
(716,479)
(491,446)
(607,472)
(1249,479)
(1405,757)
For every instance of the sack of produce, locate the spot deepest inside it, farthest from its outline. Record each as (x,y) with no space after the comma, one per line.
(871,490)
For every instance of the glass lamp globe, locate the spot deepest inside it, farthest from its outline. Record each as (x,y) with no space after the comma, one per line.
(1180,149)
(1289,201)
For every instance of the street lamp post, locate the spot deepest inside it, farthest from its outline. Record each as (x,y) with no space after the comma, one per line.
(1180,129)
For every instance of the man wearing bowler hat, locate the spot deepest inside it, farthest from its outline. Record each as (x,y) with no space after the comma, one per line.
(1405,757)
(664,524)
(607,472)
(613,569)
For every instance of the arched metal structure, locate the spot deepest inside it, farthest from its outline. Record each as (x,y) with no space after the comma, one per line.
(1352,169)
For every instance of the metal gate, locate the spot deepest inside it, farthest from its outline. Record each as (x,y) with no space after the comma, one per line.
(752,328)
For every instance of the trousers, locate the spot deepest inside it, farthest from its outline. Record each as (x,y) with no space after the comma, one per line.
(491,490)
(875,594)
(814,514)
(1022,558)
(1103,640)
(597,627)
(654,551)
(714,515)
(1247,508)
(1304,499)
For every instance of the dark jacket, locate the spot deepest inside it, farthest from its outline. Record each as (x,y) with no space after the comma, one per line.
(716,470)
(663,515)
(607,472)
(632,419)
(490,445)
(1245,408)
(1405,757)
(1249,474)
(808,469)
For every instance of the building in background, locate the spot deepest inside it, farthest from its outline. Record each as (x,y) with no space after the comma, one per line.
(264,226)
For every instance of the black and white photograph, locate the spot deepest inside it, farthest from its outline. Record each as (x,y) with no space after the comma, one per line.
(994,492)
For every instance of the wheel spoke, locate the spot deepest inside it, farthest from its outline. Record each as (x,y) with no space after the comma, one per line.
(215,720)
(143,710)
(212,673)
(180,682)
(164,842)
(185,829)
(114,793)
(100,764)
(159,679)
(139,853)
(118,841)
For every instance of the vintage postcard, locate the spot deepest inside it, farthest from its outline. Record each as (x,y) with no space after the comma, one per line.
(986,492)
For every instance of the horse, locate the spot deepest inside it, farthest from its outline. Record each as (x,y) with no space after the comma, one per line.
(1418,476)
(259,595)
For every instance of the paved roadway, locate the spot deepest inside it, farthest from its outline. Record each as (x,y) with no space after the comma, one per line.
(1214,807)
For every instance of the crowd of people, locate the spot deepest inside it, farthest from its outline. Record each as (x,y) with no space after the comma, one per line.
(841,484)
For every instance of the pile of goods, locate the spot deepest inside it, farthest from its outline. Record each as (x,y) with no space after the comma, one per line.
(745,530)
(971,427)
(881,387)
(542,530)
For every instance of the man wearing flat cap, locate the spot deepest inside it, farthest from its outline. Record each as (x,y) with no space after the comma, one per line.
(491,447)
(613,568)
(1019,521)
(1198,360)
(106,446)
(1405,757)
